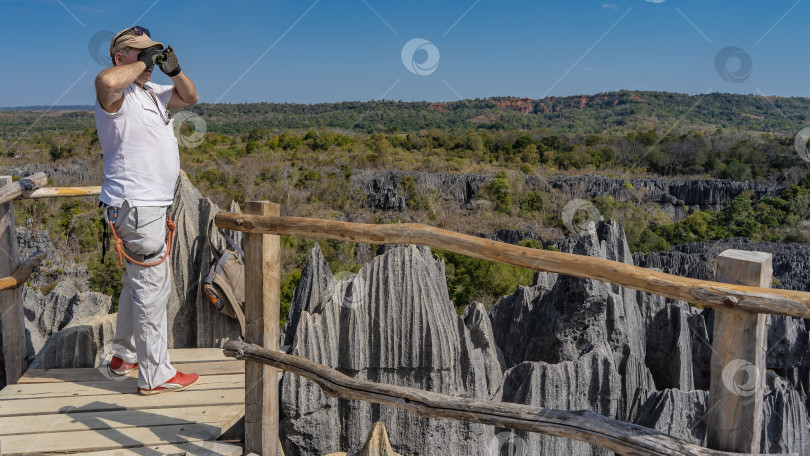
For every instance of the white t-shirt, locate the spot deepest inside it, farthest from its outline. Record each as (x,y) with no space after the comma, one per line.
(141,159)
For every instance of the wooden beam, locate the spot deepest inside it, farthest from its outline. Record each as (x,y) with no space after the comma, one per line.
(262,301)
(583,425)
(703,292)
(734,419)
(11,190)
(51,192)
(12,323)
(22,272)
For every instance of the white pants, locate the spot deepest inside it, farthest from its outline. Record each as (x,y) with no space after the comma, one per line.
(141,327)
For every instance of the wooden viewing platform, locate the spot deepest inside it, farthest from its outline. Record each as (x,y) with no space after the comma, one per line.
(82,411)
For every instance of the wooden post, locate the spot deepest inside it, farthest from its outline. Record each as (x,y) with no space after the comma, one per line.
(11,312)
(262,300)
(738,358)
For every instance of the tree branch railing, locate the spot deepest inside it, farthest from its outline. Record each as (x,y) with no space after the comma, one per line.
(15,189)
(583,425)
(702,292)
(739,300)
(22,272)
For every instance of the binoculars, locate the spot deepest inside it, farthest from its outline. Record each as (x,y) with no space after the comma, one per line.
(162,56)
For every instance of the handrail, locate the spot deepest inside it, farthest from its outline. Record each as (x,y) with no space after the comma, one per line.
(583,425)
(16,189)
(702,292)
(22,272)
(51,192)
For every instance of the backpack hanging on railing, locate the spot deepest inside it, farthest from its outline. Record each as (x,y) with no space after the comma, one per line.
(225,283)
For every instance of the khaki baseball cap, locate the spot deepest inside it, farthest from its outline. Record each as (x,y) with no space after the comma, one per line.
(135,37)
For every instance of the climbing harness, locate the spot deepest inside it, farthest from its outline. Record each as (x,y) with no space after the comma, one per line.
(119,243)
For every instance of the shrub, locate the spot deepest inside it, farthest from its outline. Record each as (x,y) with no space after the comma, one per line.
(531,243)
(534,202)
(472,279)
(59,152)
(413,199)
(500,189)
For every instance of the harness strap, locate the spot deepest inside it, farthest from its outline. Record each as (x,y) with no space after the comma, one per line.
(119,244)
(231,242)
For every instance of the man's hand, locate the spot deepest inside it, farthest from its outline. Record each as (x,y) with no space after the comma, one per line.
(148,57)
(169,64)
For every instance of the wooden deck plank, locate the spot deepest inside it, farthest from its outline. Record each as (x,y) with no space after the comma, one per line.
(118,419)
(196,355)
(89,374)
(56,411)
(97,388)
(109,402)
(202,448)
(112,438)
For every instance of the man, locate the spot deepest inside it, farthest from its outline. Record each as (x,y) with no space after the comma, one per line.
(141,166)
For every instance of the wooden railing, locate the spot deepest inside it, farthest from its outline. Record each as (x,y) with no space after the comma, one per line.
(741,298)
(14,273)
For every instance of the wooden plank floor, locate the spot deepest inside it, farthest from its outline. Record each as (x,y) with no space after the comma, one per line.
(53,411)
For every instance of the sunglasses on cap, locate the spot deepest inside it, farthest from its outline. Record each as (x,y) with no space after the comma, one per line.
(136,30)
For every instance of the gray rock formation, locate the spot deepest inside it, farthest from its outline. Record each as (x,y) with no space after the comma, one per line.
(82,343)
(679,348)
(560,322)
(71,171)
(560,318)
(383,187)
(574,343)
(785,422)
(700,194)
(477,322)
(46,315)
(55,268)
(193,320)
(590,382)
(678,413)
(313,289)
(676,198)
(392,323)
(790,266)
(788,337)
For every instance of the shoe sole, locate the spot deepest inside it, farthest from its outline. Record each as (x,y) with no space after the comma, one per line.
(166,390)
(120,373)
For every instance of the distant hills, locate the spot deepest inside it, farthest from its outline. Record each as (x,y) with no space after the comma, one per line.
(49,108)
(606,112)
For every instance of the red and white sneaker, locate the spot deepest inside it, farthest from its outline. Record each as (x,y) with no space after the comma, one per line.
(179,382)
(120,367)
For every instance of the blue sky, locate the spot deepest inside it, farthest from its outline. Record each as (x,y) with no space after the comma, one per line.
(309,51)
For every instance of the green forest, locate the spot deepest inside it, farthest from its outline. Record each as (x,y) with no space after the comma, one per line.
(605,112)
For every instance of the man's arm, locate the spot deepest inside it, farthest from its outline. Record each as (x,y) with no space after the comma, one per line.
(184,93)
(110,84)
